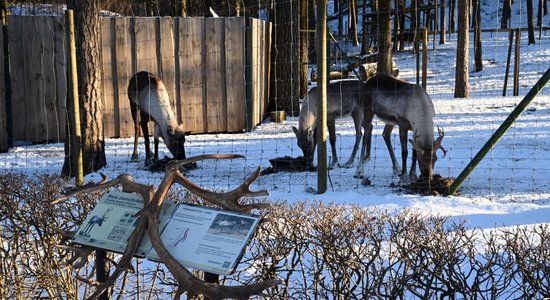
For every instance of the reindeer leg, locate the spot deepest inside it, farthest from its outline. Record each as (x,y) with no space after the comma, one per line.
(134,111)
(365,148)
(332,139)
(145,130)
(387,138)
(357,116)
(156,134)
(404,153)
(412,173)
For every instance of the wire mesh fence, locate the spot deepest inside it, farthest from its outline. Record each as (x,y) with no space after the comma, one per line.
(209,89)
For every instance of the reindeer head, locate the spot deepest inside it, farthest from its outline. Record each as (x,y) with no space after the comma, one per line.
(428,157)
(306,142)
(175,141)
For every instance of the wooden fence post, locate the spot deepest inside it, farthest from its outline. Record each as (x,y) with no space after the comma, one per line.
(322,172)
(76,139)
(507,72)
(516,63)
(424,56)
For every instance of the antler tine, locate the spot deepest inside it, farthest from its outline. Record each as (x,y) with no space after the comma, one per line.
(127,182)
(228,200)
(125,262)
(437,143)
(443,150)
(80,257)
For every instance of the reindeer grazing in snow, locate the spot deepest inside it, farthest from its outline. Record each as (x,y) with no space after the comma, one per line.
(397,102)
(148,96)
(342,99)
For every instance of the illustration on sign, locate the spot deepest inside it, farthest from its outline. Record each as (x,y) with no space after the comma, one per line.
(110,224)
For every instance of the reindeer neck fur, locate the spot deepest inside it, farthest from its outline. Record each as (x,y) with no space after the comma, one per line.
(401,103)
(308,112)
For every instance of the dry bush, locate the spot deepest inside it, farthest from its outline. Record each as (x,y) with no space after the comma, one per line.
(319,250)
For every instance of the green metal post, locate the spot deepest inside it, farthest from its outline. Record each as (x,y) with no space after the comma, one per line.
(322,173)
(500,132)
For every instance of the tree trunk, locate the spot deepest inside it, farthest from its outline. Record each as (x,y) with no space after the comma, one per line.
(539,13)
(478,51)
(284,58)
(383,16)
(340,19)
(506,13)
(303,48)
(530,22)
(452,14)
(462,88)
(352,22)
(312,25)
(88,43)
(414,15)
(442,22)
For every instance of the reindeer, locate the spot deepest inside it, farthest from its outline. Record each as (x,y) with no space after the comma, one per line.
(148,96)
(342,100)
(397,102)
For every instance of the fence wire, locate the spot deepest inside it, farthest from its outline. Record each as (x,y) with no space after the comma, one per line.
(207,90)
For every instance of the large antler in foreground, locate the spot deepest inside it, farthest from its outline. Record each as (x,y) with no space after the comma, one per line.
(149,220)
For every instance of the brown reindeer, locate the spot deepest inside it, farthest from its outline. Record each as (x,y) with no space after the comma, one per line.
(397,102)
(342,100)
(148,96)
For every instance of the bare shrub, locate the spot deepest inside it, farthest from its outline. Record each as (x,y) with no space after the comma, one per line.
(319,250)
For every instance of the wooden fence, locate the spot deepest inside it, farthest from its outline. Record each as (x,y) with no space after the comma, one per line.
(215,70)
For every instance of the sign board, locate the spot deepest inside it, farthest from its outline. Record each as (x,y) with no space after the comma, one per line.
(207,239)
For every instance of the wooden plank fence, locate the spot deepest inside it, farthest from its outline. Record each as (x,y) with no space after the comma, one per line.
(215,70)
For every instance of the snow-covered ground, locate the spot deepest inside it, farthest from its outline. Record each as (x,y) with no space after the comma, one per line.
(511,186)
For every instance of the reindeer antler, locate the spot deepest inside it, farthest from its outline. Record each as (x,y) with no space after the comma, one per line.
(437,143)
(149,220)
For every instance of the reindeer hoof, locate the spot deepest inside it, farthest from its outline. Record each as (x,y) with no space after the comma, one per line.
(366,181)
(348,165)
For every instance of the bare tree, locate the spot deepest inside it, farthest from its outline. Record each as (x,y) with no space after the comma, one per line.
(384,38)
(87,28)
(506,13)
(452,14)
(540,9)
(352,22)
(442,22)
(462,88)
(303,48)
(530,22)
(476,22)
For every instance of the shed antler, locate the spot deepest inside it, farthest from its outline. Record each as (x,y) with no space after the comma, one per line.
(149,221)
